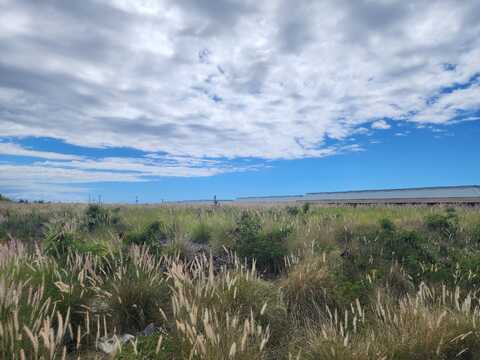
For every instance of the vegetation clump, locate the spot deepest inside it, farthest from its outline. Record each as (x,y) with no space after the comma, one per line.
(444,224)
(201,234)
(4,198)
(266,247)
(154,236)
(97,216)
(325,283)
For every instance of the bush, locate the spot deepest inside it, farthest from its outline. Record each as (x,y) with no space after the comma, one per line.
(387,225)
(4,198)
(248,226)
(306,208)
(475,234)
(309,288)
(378,248)
(61,239)
(137,293)
(201,234)
(154,236)
(403,245)
(267,248)
(97,216)
(444,224)
(27,226)
(293,210)
(58,241)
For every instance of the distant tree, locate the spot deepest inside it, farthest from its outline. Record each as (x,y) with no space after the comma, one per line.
(4,198)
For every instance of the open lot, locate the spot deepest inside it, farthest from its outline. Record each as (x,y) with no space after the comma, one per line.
(239,282)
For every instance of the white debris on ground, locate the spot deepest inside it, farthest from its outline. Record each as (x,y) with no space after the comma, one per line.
(112,344)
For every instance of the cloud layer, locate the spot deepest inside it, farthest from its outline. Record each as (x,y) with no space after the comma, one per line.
(228,79)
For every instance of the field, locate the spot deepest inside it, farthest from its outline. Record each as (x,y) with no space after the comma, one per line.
(239,282)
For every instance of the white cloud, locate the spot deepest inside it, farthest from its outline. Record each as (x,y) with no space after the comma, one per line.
(449,106)
(381,124)
(17,150)
(230,79)
(57,173)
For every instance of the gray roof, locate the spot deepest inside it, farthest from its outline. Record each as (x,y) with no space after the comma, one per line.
(270,198)
(412,193)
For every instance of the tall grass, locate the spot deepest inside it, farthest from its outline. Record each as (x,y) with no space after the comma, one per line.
(211,322)
(321,283)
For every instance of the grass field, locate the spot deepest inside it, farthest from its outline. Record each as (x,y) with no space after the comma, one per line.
(239,282)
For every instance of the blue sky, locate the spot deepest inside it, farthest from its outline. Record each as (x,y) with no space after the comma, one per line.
(188,99)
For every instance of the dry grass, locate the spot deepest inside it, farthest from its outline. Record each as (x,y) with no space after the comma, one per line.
(320,306)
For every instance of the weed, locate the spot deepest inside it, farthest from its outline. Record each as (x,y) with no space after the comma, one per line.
(267,248)
(444,224)
(292,210)
(154,236)
(201,233)
(364,283)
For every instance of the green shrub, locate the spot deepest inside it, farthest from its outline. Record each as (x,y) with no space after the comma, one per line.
(475,234)
(444,224)
(309,288)
(409,249)
(387,225)
(4,198)
(201,233)
(378,248)
(24,226)
(154,236)
(58,242)
(306,208)
(61,239)
(97,216)
(137,294)
(292,210)
(267,248)
(404,244)
(248,226)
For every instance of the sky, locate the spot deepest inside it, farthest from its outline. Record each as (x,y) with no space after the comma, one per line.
(187,99)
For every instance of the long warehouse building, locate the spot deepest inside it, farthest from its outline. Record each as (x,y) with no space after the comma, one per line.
(426,195)
(469,194)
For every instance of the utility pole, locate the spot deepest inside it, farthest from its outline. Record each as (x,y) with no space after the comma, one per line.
(136,200)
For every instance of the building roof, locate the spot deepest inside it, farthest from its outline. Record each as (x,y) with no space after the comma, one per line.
(443,192)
